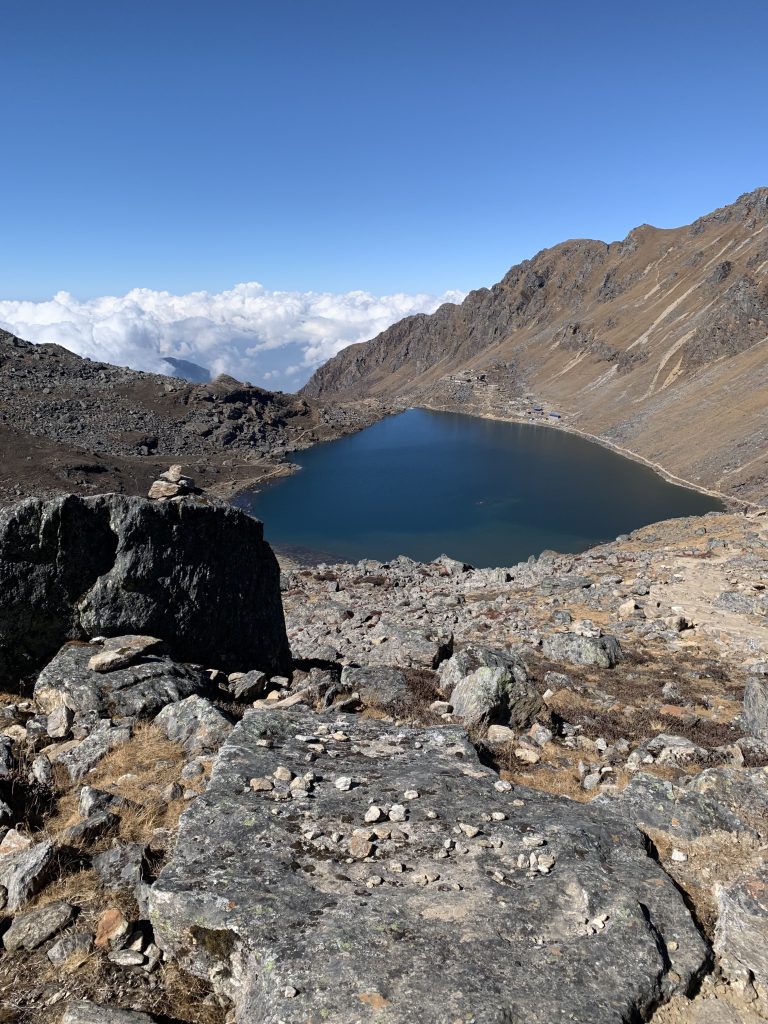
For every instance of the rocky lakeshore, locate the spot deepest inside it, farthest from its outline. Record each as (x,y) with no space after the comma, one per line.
(383,792)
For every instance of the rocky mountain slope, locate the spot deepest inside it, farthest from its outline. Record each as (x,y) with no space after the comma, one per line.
(657,344)
(385,791)
(69,424)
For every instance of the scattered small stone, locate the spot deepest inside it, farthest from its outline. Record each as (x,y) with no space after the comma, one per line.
(360,848)
(397,812)
(343,783)
(500,734)
(261,785)
(111,928)
(126,958)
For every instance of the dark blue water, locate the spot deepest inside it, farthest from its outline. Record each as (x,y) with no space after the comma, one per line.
(423,483)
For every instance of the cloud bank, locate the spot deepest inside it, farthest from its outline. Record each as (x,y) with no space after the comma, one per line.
(267,337)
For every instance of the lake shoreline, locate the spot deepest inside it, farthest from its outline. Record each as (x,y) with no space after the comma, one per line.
(421,482)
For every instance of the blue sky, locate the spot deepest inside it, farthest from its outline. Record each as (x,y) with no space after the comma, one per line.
(410,148)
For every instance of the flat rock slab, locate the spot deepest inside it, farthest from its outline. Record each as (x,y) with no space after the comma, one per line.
(85,1012)
(462,902)
(137,691)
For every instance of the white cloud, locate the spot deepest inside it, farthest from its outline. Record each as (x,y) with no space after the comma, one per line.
(249,332)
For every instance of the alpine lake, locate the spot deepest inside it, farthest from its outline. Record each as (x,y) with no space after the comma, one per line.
(486,492)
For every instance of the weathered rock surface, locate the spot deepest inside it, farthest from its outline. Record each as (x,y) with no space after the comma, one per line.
(138,691)
(741,936)
(195,724)
(23,873)
(486,686)
(755,714)
(77,761)
(28,931)
(192,573)
(382,686)
(299,906)
(715,799)
(423,647)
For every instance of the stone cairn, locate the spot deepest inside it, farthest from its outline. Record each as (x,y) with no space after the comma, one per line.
(172,484)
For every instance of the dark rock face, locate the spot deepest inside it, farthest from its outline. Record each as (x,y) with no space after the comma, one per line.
(194,574)
(401,867)
(139,691)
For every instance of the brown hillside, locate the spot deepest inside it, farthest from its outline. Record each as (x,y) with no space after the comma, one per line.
(657,344)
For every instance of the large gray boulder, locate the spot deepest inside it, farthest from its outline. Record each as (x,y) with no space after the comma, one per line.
(138,691)
(603,651)
(378,686)
(195,724)
(486,686)
(394,876)
(196,574)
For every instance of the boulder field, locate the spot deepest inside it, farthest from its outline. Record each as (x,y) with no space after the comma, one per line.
(385,792)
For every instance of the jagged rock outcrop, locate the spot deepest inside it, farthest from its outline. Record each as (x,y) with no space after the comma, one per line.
(325,890)
(198,575)
(644,342)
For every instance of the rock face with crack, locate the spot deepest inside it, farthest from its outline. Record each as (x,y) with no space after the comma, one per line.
(336,867)
(198,575)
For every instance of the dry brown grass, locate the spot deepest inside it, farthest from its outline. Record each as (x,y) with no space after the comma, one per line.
(138,771)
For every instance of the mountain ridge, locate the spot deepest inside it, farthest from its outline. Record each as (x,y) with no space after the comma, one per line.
(642,343)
